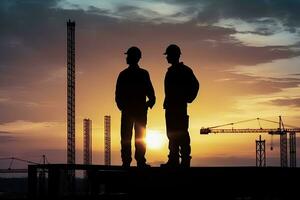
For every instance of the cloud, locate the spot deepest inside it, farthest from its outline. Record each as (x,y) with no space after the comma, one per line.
(6,137)
(205,11)
(16,108)
(214,10)
(32,78)
(243,84)
(25,126)
(259,23)
(141,11)
(283,38)
(41,82)
(272,69)
(31,136)
(293,102)
(153,15)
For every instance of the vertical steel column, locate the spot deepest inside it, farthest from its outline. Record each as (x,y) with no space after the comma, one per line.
(293,157)
(87,141)
(283,145)
(260,152)
(107,139)
(283,150)
(71,102)
(71,90)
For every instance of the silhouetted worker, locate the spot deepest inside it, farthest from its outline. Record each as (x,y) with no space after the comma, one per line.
(133,88)
(181,88)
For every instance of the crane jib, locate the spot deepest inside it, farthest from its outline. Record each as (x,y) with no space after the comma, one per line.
(205,131)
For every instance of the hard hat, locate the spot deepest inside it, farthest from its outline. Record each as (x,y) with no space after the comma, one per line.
(134,51)
(173,49)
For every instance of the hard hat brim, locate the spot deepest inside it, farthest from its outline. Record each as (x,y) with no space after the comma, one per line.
(169,53)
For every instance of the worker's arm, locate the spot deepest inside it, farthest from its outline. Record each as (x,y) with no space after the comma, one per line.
(118,92)
(167,89)
(150,92)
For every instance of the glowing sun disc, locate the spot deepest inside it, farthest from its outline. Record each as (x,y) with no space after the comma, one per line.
(154,139)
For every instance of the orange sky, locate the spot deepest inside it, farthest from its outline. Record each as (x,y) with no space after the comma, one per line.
(247,66)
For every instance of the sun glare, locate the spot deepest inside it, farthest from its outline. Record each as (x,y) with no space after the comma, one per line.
(154,139)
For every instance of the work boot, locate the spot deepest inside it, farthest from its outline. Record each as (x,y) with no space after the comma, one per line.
(126,165)
(186,162)
(143,165)
(172,163)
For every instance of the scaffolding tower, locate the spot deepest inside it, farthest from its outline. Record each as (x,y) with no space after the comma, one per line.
(107,140)
(260,152)
(71,103)
(293,156)
(87,141)
(71,92)
(283,144)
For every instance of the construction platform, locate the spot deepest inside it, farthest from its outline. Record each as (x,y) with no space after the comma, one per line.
(114,182)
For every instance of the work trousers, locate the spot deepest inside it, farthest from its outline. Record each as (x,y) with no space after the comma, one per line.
(138,121)
(177,122)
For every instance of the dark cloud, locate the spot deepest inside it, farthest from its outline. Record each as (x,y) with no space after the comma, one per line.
(132,12)
(4,132)
(28,42)
(229,85)
(262,85)
(33,49)
(212,10)
(294,102)
(144,14)
(265,14)
(6,137)
(29,111)
(243,84)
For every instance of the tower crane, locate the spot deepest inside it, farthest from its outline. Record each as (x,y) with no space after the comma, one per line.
(282,131)
(43,160)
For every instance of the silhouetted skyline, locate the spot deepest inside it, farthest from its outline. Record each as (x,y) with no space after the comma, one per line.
(246,57)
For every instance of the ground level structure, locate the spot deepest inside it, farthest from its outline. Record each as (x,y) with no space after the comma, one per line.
(114,182)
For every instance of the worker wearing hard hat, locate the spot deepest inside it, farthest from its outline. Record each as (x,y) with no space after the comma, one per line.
(132,90)
(181,88)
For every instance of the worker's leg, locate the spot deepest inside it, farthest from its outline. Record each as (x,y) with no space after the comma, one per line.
(140,134)
(172,133)
(185,147)
(126,135)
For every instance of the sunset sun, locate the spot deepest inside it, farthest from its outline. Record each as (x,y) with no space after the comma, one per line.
(154,139)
